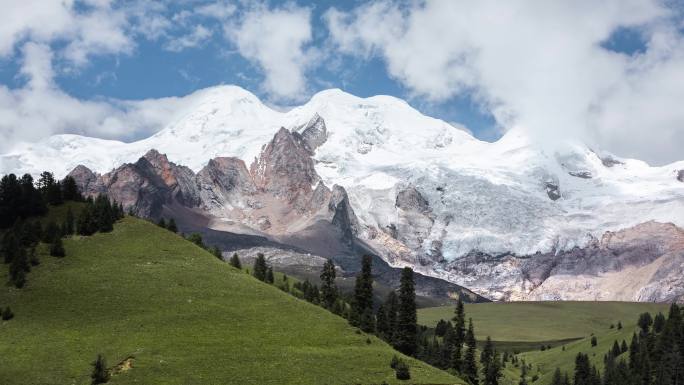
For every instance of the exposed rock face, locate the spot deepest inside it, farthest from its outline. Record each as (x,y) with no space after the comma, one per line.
(642,263)
(553,190)
(150,183)
(86,180)
(315,133)
(680,175)
(224,184)
(581,174)
(285,169)
(276,196)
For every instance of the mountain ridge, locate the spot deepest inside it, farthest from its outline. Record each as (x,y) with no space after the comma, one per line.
(425,193)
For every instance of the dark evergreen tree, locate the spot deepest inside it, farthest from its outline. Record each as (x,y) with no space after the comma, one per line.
(583,372)
(402,371)
(645,322)
(235,261)
(328,287)
(50,232)
(161,222)
(491,370)
(100,374)
(104,214)
(523,375)
(171,226)
(659,323)
(594,341)
(459,336)
(7,314)
(557,378)
(69,223)
(196,238)
(363,295)
(70,190)
(50,188)
(391,307)
(269,276)
(87,223)
(469,370)
(406,333)
(57,248)
(216,252)
(19,267)
(260,268)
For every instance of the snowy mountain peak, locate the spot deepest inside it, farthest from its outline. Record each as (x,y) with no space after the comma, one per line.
(514,195)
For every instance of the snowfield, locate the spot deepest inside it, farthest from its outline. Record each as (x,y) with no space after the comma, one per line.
(513,195)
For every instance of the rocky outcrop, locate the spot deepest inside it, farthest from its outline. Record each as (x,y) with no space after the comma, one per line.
(641,263)
(150,183)
(280,195)
(680,175)
(285,169)
(225,184)
(86,180)
(315,133)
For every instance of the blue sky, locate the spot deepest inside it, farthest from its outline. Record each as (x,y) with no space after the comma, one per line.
(578,75)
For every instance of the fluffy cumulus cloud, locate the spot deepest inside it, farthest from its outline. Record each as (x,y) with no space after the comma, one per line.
(40,108)
(538,66)
(277,40)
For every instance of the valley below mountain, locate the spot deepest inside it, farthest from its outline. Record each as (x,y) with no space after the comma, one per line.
(341,176)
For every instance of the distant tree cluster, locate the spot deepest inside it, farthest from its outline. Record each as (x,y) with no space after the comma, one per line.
(654,357)
(97,215)
(23,202)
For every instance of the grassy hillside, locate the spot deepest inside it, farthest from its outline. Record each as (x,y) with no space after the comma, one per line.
(171,313)
(542,321)
(567,326)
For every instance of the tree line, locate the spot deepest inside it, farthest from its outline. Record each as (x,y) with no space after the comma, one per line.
(450,346)
(23,202)
(655,356)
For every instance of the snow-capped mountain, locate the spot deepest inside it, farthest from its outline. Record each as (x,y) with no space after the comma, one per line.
(425,193)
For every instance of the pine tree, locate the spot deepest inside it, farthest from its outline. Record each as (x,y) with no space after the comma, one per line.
(469,363)
(69,223)
(523,375)
(196,238)
(270,278)
(161,222)
(19,267)
(7,314)
(491,366)
(100,374)
(363,296)
(459,336)
(235,261)
(70,190)
(557,377)
(391,307)
(259,270)
(402,371)
(171,226)
(405,339)
(328,287)
(57,248)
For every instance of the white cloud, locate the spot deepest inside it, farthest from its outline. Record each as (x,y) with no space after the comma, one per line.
(198,36)
(536,65)
(101,29)
(40,108)
(277,41)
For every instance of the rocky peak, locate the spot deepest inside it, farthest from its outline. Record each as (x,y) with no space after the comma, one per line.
(285,168)
(680,175)
(86,180)
(343,217)
(315,132)
(225,182)
(410,199)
